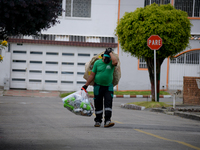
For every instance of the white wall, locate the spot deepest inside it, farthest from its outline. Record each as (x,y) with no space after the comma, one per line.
(103,21)
(4,66)
(196,26)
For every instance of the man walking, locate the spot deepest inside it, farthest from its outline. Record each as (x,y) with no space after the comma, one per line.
(102,74)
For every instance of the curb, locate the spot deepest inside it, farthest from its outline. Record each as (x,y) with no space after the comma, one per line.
(136,96)
(187,115)
(177,113)
(132,106)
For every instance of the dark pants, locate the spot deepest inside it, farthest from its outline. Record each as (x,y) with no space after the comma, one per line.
(103,96)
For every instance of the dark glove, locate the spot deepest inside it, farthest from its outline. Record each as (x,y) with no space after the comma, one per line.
(108,51)
(84,87)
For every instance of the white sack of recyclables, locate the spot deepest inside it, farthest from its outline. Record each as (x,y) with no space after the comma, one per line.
(79,103)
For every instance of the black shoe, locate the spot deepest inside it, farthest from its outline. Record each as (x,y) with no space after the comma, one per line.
(97,124)
(109,124)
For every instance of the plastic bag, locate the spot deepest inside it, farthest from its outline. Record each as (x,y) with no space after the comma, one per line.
(79,103)
(89,66)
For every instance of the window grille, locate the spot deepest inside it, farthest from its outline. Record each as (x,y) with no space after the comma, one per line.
(187,58)
(192,7)
(197,8)
(142,63)
(73,38)
(173,60)
(77,38)
(148,2)
(44,37)
(192,58)
(78,8)
(60,11)
(180,59)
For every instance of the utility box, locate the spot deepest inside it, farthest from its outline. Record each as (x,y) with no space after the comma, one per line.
(6,84)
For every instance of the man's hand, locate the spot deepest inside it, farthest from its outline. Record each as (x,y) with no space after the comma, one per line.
(84,87)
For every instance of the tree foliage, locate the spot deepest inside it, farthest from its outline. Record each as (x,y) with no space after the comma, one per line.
(27,17)
(170,24)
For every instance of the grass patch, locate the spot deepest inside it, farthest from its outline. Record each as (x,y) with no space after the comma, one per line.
(150,104)
(135,93)
(123,93)
(65,94)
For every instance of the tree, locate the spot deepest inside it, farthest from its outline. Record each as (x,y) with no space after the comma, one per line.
(3,44)
(27,17)
(136,27)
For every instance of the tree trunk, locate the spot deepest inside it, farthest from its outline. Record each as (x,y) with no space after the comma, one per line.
(150,65)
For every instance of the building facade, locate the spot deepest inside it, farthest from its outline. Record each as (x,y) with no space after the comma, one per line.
(56,59)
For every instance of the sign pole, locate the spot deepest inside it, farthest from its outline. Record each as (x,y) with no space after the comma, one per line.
(154,42)
(155,85)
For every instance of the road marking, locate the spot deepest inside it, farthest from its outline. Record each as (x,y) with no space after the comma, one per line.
(117,122)
(159,137)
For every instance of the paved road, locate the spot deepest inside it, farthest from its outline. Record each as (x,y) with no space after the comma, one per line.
(44,124)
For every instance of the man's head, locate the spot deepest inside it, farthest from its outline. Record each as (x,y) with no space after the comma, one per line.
(106,55)
(106,58)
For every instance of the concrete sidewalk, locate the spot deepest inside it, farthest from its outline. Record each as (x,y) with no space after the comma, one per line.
(30,93)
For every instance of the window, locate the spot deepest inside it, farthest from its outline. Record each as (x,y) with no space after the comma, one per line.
(37,53)
(67,72)
(60,12)
(67,63)
(18,70)
(19,52)
(51,63)
(87,55)
(192,57)
(51,53)
(187,58)
(19,61)
(35,71)
(51,72)
(78,8)
(81,64)
(148,2)
(35,62)
(142,63)
(33,80)
(192,7)
(69,82)
(68,54)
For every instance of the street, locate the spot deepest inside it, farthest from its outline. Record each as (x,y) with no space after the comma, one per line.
(34,123)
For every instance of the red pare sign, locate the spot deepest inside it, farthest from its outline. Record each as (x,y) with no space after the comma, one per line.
(154,42)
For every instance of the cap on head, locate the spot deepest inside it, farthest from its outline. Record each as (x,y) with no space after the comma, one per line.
(106,55)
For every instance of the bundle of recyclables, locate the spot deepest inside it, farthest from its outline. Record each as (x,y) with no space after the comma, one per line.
(79,103)
(89,65)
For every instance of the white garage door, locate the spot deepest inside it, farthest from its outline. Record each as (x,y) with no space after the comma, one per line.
(47,67)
